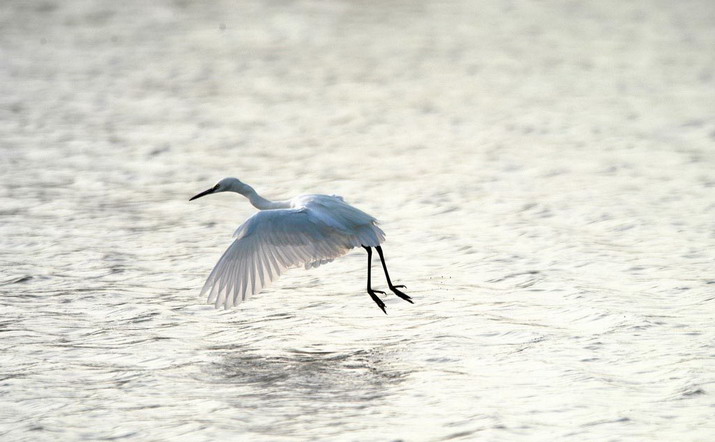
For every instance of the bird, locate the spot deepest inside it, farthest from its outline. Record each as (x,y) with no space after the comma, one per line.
(307,230)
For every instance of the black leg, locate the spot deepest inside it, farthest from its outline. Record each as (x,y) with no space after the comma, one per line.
(370,291)
(389,282)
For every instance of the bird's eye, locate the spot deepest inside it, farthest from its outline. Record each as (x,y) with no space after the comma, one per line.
(216,187)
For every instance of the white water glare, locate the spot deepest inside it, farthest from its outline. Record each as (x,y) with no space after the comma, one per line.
(544,173)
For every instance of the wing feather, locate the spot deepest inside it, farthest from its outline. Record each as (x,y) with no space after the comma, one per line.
(267,244)
(274,266)
(266,264)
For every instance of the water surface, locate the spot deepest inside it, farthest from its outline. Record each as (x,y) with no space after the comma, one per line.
(544,173)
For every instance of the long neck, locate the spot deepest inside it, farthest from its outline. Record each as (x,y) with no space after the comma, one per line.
(261,203)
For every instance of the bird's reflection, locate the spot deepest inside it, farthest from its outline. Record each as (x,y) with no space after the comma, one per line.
(330,376)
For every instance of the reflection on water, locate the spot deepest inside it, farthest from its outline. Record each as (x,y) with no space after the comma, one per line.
(543,174)
(334,377)
(324,377)
(298,385)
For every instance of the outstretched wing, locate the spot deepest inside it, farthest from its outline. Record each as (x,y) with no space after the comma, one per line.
(267,244)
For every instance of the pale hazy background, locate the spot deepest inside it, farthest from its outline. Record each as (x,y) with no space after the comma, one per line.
(545,172)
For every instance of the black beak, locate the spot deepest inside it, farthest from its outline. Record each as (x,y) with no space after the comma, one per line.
(204,193)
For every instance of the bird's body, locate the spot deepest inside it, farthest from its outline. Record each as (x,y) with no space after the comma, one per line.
(312,230)
(307,230)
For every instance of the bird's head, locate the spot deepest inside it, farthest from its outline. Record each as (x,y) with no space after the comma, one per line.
(225,185)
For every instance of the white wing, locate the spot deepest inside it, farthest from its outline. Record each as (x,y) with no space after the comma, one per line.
(267,244)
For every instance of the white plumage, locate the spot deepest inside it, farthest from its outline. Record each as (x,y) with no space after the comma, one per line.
(308,230)
(314,231)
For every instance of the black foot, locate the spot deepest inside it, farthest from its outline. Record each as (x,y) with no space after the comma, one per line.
(377,300)
(400,294)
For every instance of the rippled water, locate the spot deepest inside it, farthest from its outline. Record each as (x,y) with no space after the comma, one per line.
(544,173)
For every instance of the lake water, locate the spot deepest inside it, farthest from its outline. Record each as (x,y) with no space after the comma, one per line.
(544,171)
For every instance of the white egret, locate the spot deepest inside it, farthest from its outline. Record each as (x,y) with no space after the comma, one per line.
(308,230)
